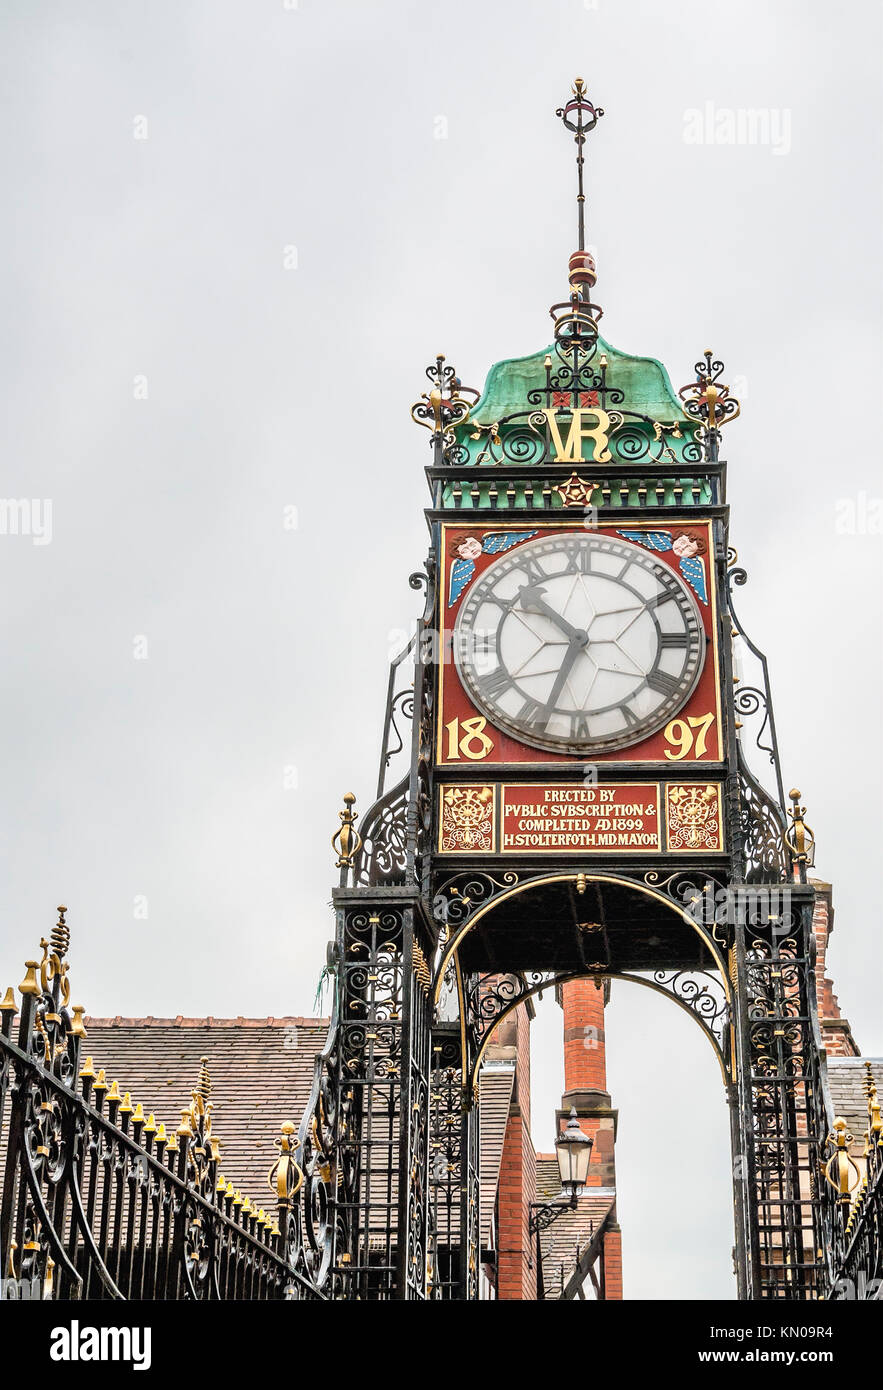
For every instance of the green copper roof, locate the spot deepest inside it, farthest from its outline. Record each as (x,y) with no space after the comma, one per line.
(644,382)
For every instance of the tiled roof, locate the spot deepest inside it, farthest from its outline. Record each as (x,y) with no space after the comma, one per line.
(494,1095)
(565,1240)
(261,1072)
(847,1077)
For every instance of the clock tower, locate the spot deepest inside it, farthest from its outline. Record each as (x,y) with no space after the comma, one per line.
(582,797)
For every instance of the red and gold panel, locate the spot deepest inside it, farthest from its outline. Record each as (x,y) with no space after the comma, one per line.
(693,817)
(468,735)
(620,818)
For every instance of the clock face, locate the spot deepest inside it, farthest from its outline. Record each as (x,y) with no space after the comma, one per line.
(579,643)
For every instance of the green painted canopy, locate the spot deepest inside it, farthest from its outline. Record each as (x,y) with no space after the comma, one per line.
(644,382)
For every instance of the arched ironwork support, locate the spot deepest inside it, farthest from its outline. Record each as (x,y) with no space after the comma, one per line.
(470,897)
(704,997)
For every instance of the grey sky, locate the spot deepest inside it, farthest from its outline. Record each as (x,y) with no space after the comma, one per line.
(158,784)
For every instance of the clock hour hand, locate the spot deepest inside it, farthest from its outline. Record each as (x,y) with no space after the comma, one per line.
(533,600)
(574,647)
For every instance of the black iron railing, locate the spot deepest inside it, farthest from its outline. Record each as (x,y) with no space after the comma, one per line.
(99,1201)
(854,1191)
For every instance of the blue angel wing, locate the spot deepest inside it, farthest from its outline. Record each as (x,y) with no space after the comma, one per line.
(461,573)
(652,540)
(502,540)
(693,571)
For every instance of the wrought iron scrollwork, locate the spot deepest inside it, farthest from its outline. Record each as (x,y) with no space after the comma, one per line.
(383,855)
(783,1100)
(762,827)
(752,700)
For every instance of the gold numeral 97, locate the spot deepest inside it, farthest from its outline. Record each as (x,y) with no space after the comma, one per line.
(682,733)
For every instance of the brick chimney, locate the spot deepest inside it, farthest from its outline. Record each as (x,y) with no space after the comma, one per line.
(585,1090)
(516,1273)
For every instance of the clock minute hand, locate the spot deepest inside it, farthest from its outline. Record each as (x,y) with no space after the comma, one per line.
(533,600)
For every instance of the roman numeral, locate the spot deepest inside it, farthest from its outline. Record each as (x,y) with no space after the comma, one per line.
(628,715)
(483,643)
(663,683)
(529,712)
(579,728)
(534,574)
(584,559)
(495,682)
(673,639)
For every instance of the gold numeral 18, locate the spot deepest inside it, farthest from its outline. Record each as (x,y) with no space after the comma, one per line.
(473,743)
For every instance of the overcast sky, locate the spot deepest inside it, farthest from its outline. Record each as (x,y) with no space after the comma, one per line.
(235,235)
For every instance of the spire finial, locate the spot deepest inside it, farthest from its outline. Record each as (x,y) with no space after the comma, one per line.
(580,116)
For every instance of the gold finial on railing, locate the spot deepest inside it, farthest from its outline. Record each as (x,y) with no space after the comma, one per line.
(285,1177)
(29,984)
(799,839)
(77,1026)
(346,842)
(875,1123)
(8,1010)
(840,1162)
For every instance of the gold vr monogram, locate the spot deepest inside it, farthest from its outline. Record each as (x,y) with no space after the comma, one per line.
(570,450)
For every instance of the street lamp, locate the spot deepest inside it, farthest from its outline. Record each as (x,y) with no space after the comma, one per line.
(573,1149)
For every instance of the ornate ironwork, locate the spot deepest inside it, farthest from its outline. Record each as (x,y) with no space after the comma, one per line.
(708,399)
(489,998)
(445,405)
(762,830)
(383,854)
(100,1201)
(752,700)
(782,1103)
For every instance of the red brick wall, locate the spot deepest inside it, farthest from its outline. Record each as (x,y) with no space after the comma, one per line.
(612,1258)
(836,1032)
(516,1278)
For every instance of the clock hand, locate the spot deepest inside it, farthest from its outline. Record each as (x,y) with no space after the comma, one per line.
(533,600)
(574,647)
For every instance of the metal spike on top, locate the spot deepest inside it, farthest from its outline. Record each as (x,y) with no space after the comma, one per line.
(204,1084)
(60,936)
(580,116)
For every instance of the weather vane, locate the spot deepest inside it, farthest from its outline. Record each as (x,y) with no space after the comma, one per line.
(580,116)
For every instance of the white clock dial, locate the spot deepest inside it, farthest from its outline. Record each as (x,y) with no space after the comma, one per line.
(579,643)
